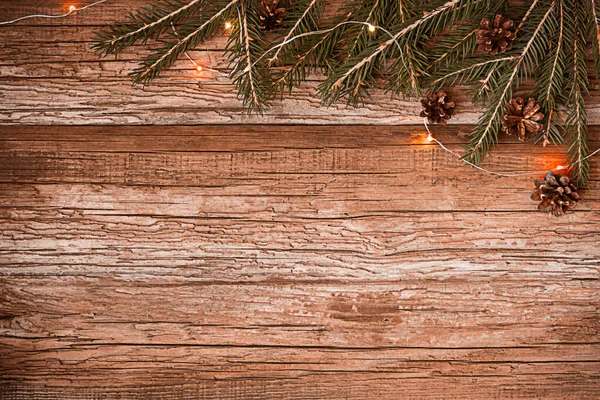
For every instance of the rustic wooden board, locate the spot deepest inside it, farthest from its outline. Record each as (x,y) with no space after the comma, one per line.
(50,75)
(287,262)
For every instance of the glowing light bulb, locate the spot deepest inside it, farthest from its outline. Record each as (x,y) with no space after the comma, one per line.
(430,138)
(199,68)
(371,28)
(228,25)
(72,8)
(560,167)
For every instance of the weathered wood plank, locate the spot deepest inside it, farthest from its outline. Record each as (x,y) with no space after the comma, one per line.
(50,75)
(46,314)
(347,386)
(288,262)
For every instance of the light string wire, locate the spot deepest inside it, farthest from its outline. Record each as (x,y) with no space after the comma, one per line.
(199,67)
(371,28)
(430,138)
(72,9)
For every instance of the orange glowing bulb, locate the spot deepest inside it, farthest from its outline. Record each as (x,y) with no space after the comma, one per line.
(228,25)
(560,167)
(371,28)
(199,68)
(72,8)
(430,138)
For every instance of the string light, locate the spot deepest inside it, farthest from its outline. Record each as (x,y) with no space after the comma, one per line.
(247,69)
(199,67)
(370,27)
(72,9)
(430,138)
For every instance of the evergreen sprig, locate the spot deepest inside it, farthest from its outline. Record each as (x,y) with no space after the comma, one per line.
(403,46)
(191,34)
(576,120)
(245,47)
(147,23)
(485,135)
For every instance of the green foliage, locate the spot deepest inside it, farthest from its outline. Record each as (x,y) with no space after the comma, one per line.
(485,135)
(402,46)
(245,47)
(577,83)
(149,22)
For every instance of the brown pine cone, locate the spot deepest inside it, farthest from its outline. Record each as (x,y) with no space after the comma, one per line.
(496,38)
(521,118)
(556,193)
(270,14)
(437,108)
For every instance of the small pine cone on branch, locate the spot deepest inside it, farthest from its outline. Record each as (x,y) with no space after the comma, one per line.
(556,193)
(437,108)
(521,118)
(497,37)
(270,14)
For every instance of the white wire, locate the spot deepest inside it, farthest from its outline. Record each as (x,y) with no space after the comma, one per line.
(585,158)
(477,166)
(319,32)
(194,61)
(71,11)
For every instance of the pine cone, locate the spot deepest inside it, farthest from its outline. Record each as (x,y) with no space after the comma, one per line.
(270,14)
(496,38)
(521,118)
(437,108)
(556,193)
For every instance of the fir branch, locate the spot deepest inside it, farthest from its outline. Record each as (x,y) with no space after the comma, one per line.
(527,14)
(164,57)
(550,82)
(414,69)
(577,124)
(404,9)
(470,71)
(485,135)
(374,17)
(315,57)
(449,5)
(457,51)
(249,68)
(488,85)
(595,34)
(306,22)
(356,74)
(246,44)
(148,22)
(576,120)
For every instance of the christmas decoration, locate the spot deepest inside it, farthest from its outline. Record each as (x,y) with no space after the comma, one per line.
(271,15)
(402,46)
(522,118)
(556,193)
(437,108)
(497,37)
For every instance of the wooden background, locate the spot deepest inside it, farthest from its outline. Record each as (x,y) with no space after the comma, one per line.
(149,251)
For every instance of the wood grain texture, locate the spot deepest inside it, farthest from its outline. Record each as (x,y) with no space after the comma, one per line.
(288,262)
(50,75)
(270,261)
